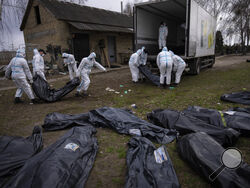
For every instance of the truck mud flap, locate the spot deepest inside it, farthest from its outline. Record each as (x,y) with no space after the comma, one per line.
(149,167)
(66,163)
(237,97)
(120,120)
(15,151)
(204,155)
(186,124)
(43,91)
(149,75)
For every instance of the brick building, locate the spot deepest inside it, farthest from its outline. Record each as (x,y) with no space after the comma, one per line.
(65,27)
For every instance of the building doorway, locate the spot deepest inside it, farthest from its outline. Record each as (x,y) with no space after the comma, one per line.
(81,46)
(112,49)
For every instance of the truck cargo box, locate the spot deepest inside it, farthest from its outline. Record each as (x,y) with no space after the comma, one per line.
(191,30)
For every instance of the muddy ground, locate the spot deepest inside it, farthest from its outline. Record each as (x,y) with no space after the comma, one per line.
(230,74)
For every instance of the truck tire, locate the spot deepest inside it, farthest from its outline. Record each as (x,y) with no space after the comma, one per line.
(212,64)
(195,67)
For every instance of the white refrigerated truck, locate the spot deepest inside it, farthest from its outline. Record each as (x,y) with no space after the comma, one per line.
(191,31)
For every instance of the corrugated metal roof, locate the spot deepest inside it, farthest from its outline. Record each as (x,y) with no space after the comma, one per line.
(76,13)
(96,27)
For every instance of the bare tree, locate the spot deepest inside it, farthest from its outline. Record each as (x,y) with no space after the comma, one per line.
(128,9)
(215,7)
(240,17)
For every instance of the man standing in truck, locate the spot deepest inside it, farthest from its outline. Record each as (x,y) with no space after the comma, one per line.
(163,33)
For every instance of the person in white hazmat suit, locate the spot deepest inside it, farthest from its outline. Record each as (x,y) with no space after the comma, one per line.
(178,66)
(69,60)
(19,71)
(163,33)
(165,62)
(143,57)
(143,61)
(134,63)
(84,70)
(38,63)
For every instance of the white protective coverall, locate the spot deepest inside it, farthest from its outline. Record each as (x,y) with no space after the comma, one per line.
(165,63)
(38,64)
(163,33)
(18,69)
(69,59)
(84,70)
(134,63)
(178,66)
(143,58)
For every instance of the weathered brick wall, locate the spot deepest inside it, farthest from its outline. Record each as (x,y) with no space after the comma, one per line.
(50,32)
(57,33)
(123,43)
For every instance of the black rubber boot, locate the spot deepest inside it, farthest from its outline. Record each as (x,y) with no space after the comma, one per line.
(78,94)
(18,100)
(161,86)
(34,101)
(85,94)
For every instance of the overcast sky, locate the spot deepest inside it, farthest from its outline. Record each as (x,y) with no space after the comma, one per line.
(114,5)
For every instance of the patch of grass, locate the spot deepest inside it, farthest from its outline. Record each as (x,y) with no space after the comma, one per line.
(110,150)
(99,183)
(121,152)
(118,181)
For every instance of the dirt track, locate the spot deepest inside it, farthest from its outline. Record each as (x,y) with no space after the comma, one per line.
(229,60)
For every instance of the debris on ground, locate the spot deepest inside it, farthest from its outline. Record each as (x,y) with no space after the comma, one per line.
(109,89)
(133,106)
(62,73)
